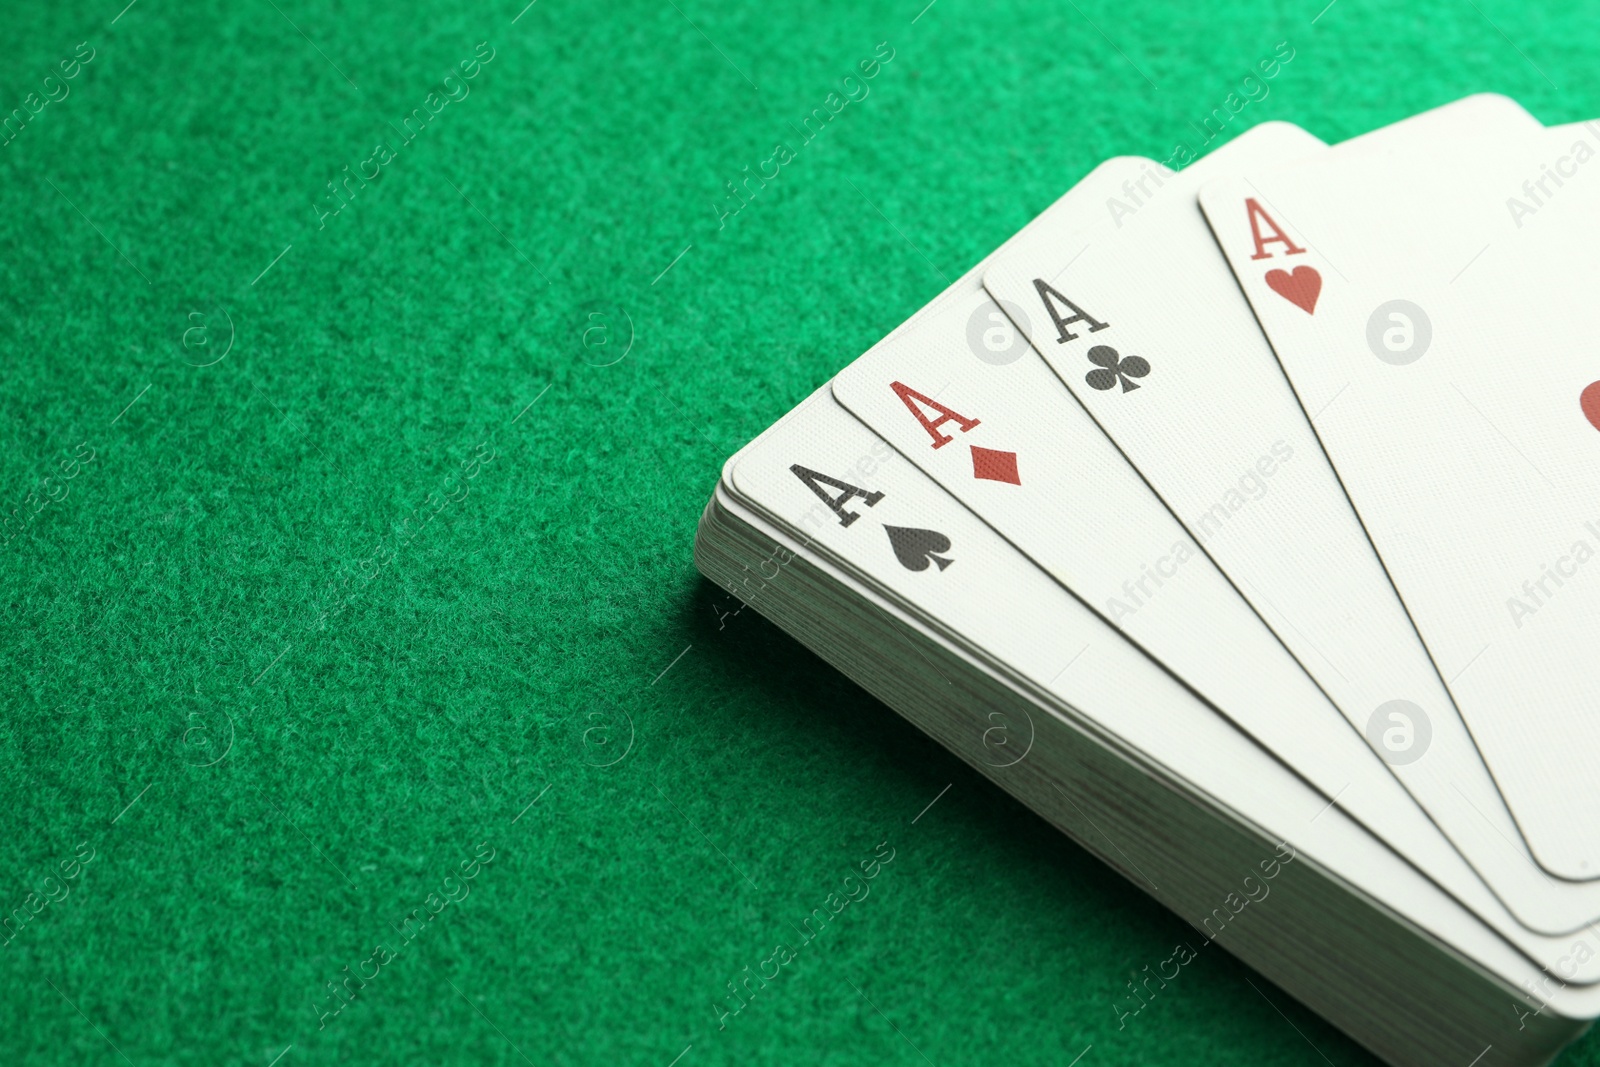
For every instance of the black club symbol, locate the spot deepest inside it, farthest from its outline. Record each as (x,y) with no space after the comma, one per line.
(1114,369)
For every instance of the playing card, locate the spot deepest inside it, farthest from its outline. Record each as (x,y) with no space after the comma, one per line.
(1046,478)
(1352,931)
(1216,430)
(849,498)
(853,544)
(1438,335)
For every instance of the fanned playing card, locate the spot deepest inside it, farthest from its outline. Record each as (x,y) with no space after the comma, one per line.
(1081,530)
(1011,443)
(1432,315)
(851,498)
(1218,433)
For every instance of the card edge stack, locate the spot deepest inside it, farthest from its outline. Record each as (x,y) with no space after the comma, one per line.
(1412,999)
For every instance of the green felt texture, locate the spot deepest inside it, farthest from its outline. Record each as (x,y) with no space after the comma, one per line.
(280,718)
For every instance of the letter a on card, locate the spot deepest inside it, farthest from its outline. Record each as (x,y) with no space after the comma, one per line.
(911,398)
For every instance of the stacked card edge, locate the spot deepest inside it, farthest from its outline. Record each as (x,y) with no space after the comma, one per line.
(1396,989)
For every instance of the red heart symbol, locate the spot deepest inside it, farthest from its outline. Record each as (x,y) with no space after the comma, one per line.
(1300,288)
(1590,399)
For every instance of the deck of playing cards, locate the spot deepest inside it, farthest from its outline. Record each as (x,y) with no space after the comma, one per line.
(1239,521)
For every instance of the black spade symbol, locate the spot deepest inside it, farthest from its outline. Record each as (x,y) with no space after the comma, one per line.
(914,548)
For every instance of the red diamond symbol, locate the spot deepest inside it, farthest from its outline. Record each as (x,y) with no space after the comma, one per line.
(995,466)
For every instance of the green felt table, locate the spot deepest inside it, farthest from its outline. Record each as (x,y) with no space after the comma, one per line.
(350,623)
